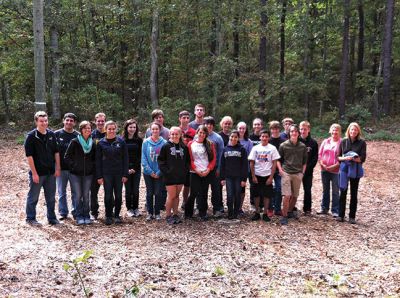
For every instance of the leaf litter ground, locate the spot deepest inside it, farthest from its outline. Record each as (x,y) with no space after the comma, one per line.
(315,256)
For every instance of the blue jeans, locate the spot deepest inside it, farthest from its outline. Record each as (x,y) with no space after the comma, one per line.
(49,186)
(112,194)
(276,202)
(62,182)
(154,198)
(233,192)
(327,179)
(80,189)
(132,191)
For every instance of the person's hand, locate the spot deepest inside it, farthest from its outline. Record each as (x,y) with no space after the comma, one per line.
(269,180)
(281,172)
(357,159)
(35,178)
(255,180)
(100,181)
(243,183)
(57,173)
(323,166)
(216,173)
(124,180)
(131,171)
(223,182)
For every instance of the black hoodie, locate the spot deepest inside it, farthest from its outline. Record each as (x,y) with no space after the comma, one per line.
(234,162)
(174,163)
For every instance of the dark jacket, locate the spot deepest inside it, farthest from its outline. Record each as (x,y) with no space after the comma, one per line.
(63,140)
(134,153)
(97,135)
(79,163)
(111,158)
(312,154)
(174,163)
(42,148)
(358,146)
(234,162)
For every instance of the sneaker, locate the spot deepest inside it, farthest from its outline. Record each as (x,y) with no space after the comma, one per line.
(80,222)
(88,221)
(130,213)
(352,221)
(283,221)
(270,212)
(94,216)
(340,219)
(307,213)
(256,216)
(295,214)
(217,214)
(230,217)
(266,218)
(63,217)
(158,217)
(334,214)
(241,212)
(136,213)
(252,208)
(290,215)
(322,212)
(109,221)
(278,213)
(33,222)
(54,222)
(170,220)
(117,220)
(177,219)
(203,218)
(149,217)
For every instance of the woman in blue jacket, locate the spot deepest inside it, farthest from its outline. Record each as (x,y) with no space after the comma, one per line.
(112,170)
(151,172)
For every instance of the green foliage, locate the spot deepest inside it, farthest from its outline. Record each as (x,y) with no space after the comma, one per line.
(383,135)
(74,269)
(357,113)
(219,271)
(132,292)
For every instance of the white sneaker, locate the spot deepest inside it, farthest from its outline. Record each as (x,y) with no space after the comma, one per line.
(149,217)
(158,217)
(136,213)
(334,214)
(252,208)
(130,213)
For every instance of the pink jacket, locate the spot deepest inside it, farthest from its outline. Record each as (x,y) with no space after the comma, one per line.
(328,153)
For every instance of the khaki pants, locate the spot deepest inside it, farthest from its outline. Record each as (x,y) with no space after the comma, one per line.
(291,184)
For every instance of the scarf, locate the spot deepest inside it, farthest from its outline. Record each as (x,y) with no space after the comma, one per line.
(86,145)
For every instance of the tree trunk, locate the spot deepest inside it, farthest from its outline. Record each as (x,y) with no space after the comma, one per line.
(361,25)
(387,56)
(345,60)
(263,57)
(38,50)
(236,41)
(352,80)
(154,59)
(375,96)
(5,94)
(282,54)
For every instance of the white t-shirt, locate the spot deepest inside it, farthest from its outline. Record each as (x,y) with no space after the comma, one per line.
(263,157)
(199,155)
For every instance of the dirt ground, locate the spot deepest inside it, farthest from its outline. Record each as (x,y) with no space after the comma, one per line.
(315,256)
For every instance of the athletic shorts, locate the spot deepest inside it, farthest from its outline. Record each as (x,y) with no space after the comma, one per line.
(263,190)
(291,184)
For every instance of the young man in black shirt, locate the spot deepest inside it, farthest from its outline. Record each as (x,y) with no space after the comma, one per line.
(43,158)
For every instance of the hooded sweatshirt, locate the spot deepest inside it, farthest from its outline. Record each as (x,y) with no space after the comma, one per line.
(174,163)
(150,151)
(234,162)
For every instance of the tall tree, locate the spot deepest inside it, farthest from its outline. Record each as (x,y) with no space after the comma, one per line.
(387,56)
(38,50)
(154,59)
(361,39)
(345,59)
(262,57)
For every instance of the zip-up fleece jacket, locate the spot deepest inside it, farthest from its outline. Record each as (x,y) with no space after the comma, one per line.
(111,158)
(312,154)
(150,152)
(234,162)
(134,152)
(42,151)
(79,162)
(174,163)
(63,140)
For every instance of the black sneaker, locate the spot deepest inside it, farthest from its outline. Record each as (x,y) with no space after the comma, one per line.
(339,219)
(177,219)
(117,220)
(63,217)
(170,220)
(109,221)
(266,218)
(33,222)
(290,215)
(54,222)
(283,221)
(256,216)
(352,221)
(322,212)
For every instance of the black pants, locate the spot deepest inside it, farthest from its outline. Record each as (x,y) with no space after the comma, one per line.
(307,185)
(354,182)
(216,192)
(198,191)
(132,191)
(94,201)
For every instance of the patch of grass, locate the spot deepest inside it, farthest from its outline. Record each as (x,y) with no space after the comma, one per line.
(132,292)
(20,140)
(219,271)
(383,135)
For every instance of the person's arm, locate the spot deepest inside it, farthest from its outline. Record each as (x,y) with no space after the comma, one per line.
(244,166)
(222,168)
(314,155)
(99,164)
(273,169)
(145,163)
(305,157)
(31,163)
(162,160)
(58,164)
(69,155)
(253,172)
(125,162)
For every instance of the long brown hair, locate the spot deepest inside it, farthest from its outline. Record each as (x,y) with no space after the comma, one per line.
(207,143)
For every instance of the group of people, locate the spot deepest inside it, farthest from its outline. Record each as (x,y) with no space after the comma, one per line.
(190,158)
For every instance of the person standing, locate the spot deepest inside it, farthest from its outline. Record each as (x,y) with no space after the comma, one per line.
(202,163)
(112,171)
(174,163)
(43,158)
(199,112)
(130,135)
(158,116)
(286,122)
(151,172)
(215,181)
(234,172)
(312,159)
(255,139)
(226,126)
(328,160)
(291,168)
(80,157)
(97,134)
(263,160)
(64,137)
(352,154)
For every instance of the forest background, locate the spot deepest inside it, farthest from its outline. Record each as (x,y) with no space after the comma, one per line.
(321,60)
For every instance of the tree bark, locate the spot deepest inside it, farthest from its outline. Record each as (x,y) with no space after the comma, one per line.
(38,50)
(361,40)
(262,57)
(282,53)
(387,56)
(345,59)
(154,59)
(5,94)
